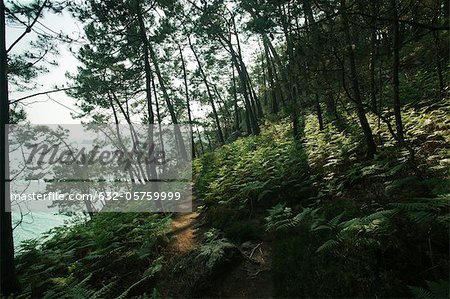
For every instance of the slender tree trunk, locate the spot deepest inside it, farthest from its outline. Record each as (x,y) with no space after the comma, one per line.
(250,110)
(371,147)
(270,72)
(9,281)
(446,12)
(282,84)
(438,61)
(158,114)
(319,112)
(170,107)
(331,106)
(222,103)
(257,109)
(292,98)
(395,73)
(147,68)
(239,64)
(188,104)
(236,106)
(380,101)
(264,82)
(150,168)
(208,90)
(200,140)
(373,47)
(437,47)
(247,121)
(252,124)
(209,141)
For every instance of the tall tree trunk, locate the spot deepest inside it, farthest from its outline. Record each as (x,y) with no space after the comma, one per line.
(395,72)
(188,104)
(373,50)
(437,47)
(239,64)
(292,98)
(9,281)
(209,141)
(247,121)
(371,147)
(257,109)
(208,90)
(331,104)
(270,73)
(150,168)
(252,124)
(158,116)
(236,106)
(319,112)
(250,111)
(200,140)
(281,85)
(446,12)
(172,113)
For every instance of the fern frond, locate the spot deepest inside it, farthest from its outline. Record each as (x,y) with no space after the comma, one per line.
(328,246)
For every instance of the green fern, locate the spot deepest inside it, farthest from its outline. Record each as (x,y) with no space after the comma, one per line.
(438,289)
(280,217)
(426,210)
(364,232)
(214,251)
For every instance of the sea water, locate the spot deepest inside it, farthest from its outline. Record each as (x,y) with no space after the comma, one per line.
(34,224)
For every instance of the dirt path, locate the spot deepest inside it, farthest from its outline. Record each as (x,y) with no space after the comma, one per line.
(251,278)
(183,228)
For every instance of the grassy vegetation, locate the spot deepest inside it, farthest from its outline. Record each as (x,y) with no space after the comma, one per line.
(112,255)
(340,226)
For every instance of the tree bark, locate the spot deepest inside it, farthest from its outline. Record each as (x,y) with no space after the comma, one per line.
(395,73)
(200,140)
(208,90)
(9,282)
(291,78)
(150,168)
(270,73)
(319,112)
(252,121)
(159,119)
(371,147)
(188,104)
(257,108)
(373,50)
(437,47)
(173,116)
(236,106)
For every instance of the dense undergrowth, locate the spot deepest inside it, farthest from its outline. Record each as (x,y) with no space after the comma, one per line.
(115,255)
(340,225)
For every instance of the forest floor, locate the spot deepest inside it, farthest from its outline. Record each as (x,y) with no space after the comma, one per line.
(250,278)
(184,228)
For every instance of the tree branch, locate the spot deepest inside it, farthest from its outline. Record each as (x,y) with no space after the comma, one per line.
(28,29)
(38,94)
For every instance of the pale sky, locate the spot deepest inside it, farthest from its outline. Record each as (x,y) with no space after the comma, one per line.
(40,109)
